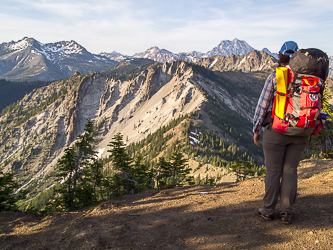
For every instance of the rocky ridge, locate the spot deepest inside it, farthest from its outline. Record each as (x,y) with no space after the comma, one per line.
(225,48)
(253,61)
(36,131)
(134,108)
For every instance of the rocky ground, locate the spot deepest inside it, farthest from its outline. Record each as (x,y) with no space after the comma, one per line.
(197,217)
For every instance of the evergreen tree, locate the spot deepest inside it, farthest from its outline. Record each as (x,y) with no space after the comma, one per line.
(198,180)
(97,178)
(162,172)
(244,168)
(79,175)
(83,185)
(141,174)
(178,167)
(66,192)
(121,163)
(237,167)
(249,168)
(8,197)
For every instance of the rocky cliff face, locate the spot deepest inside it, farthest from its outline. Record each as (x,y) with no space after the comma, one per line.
(253,61)
(58,113)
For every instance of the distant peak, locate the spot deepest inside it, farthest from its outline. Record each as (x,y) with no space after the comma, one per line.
(21,44)
(27,39)
(154,48)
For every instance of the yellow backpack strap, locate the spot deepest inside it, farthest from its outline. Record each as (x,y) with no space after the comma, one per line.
(281,91)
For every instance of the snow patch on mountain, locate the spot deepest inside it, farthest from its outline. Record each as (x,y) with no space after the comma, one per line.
(20,45)
(242,61)
(114,56)
(213,63)
(262,66)
(66,48)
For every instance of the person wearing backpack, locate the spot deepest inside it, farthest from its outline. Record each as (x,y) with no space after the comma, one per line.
(288,122)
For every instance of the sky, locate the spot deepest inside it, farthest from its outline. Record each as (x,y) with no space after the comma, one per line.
(133,26)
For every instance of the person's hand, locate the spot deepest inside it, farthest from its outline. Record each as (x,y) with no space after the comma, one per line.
(256,138)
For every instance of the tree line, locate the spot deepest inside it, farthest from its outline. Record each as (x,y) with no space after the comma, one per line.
(83,181)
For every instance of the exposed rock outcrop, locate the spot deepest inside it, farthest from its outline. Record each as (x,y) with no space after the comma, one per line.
(253,61)
(134,108)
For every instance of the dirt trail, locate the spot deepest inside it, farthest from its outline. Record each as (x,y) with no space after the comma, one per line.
(198,217)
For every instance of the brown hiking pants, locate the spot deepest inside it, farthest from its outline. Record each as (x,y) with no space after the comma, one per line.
(282,156)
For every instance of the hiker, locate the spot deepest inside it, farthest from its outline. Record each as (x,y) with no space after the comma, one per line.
(282,152)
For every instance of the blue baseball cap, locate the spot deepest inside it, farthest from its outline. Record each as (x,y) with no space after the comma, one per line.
(289,48)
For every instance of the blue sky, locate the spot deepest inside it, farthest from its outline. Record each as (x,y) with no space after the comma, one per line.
(132,26)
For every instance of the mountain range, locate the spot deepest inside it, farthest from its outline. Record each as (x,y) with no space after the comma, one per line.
(225,48)
(28,59)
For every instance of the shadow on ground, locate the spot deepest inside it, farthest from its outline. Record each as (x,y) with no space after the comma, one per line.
(201,217)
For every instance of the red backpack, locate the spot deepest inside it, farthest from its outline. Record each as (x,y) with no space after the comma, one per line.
(298,101)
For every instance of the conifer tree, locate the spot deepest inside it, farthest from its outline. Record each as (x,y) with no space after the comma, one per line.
(198,179)
(249,168)
(8,197)
(66,192)
(79,174)
(97,178)
(162,172)
(83,185)
(121,163)
(120,159)
(141,174)
(244,168)
(237,167)
(179,170)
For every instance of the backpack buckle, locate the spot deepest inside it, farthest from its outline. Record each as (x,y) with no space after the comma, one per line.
(306,123)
